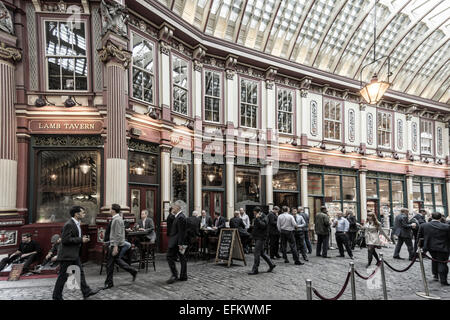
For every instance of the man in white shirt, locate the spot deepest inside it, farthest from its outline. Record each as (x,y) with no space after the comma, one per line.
(286,225)
(342,225)
(244,218)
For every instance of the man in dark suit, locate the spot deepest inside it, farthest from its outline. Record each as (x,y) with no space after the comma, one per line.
(260,233)
(205,220)
(403,230)
(436,240)
(237,223)
(418,219)
(71,241)
(177,245)
(219,223)
(274,234)
(146,224)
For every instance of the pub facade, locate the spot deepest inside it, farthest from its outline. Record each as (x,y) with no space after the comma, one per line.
(125,102)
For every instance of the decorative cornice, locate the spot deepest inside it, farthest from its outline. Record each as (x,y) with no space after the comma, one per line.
(198,55)
(230,74)
(230,62)
(9,53)
(362,106)
(165,35)
(112,51)
(6,23)
(114,18)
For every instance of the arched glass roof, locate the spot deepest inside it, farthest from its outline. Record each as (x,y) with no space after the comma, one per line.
(337,36)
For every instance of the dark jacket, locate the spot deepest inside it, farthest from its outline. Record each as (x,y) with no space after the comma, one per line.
(418,219)
(221,223)
(322,224)
(272,221)
(208,221)
(29,247)
(177,235)
(306,218)
(260,228)
(70,242)
(353,226)
(150,227)
(402,227)
(435,235)
(193,227)
(169,221)
(238,223)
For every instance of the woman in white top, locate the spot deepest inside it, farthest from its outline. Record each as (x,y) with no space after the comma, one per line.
(372,234)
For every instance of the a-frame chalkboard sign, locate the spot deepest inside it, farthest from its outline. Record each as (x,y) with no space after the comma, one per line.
(229,246)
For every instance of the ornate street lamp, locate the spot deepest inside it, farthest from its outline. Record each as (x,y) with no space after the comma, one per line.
(374,91)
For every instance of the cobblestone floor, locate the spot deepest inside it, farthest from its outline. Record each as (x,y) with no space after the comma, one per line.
(209,281)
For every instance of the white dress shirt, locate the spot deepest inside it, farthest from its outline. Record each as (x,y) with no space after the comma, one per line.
(78,226)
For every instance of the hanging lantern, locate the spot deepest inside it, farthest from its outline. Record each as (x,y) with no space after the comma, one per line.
(85,167)
(374,91)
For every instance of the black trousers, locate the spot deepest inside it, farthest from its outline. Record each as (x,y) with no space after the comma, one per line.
(259,252)
(352,239)
(300,242)
(274,244)
(342,241)
(172,254)
(371,253)
(62,279)
(322,241)
(26,261)
(409,245)
(438,268)
(110,267)
(288,236)
(307,241)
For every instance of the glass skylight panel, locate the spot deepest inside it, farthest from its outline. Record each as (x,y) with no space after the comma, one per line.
(434,61)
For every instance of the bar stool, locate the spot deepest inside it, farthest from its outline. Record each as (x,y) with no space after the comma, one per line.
(147,255)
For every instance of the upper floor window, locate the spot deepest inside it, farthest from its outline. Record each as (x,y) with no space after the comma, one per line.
(212,96)
(285,111)
(143,69)
(426,136)
(180,85)
(66,55)
(249,103)
(384,129)
(332,120)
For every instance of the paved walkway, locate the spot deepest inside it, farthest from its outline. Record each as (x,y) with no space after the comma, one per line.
(208,281)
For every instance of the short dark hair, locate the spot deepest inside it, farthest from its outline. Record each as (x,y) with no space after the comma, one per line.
(75,209)
(28,235)
(436,215)
(216,213)
(256,209)
(422,211)
(115,207)
(285,209)
(276,208)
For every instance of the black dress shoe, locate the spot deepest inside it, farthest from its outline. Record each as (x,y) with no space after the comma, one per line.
(183,279)
(305,258)
(339,256)
(134,275)
(253,273)
(435,278)
(271,268)
(326,257)
(299,263)
(171,280)
(286,261)
(278,256)
(399,258)
(108,286)
(445,284)
(91,293)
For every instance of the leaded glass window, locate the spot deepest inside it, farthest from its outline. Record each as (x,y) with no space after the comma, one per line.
(66,55)
(285,111)
(143,69)
(426,136)
(249,103)
(384,125)
(180,85)
(212,96)
(332,120)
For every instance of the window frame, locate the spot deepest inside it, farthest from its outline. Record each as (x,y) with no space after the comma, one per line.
(83,18)
(293,113)
(221,98)
(392,130)
(155,74)
(188,85)
(432,141)
(341,122)
(258,104)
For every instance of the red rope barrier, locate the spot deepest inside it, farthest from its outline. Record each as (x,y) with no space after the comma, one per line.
(406,269)
(340,292)
(435,259)
(371,275)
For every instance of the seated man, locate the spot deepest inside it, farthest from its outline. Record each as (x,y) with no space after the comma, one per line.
(52,255)
(27,253)
(146,224)
(219,223)
(237,223)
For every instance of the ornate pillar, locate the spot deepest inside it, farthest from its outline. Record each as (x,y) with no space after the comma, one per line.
(304,185)
(363,193)
(9,55)
(269,183)
(447,185)
(409,189)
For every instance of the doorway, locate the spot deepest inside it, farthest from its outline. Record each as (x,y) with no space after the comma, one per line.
(143,197)
(314,204)
(212,201)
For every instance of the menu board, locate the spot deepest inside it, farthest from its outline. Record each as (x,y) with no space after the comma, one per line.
(16,271)
(229,246)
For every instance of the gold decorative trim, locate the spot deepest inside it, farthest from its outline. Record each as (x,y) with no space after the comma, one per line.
(110,50)
(9,53)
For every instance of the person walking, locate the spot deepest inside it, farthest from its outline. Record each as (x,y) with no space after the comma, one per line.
(305,229)
(286,225)
(116,241)
(322,228)
(436,240)
(177,245)
(259,234)
(342,226)
(353,228)
(372,233)
(69,255)
(274,234)
(403,230)
(419,219)
(299,234)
